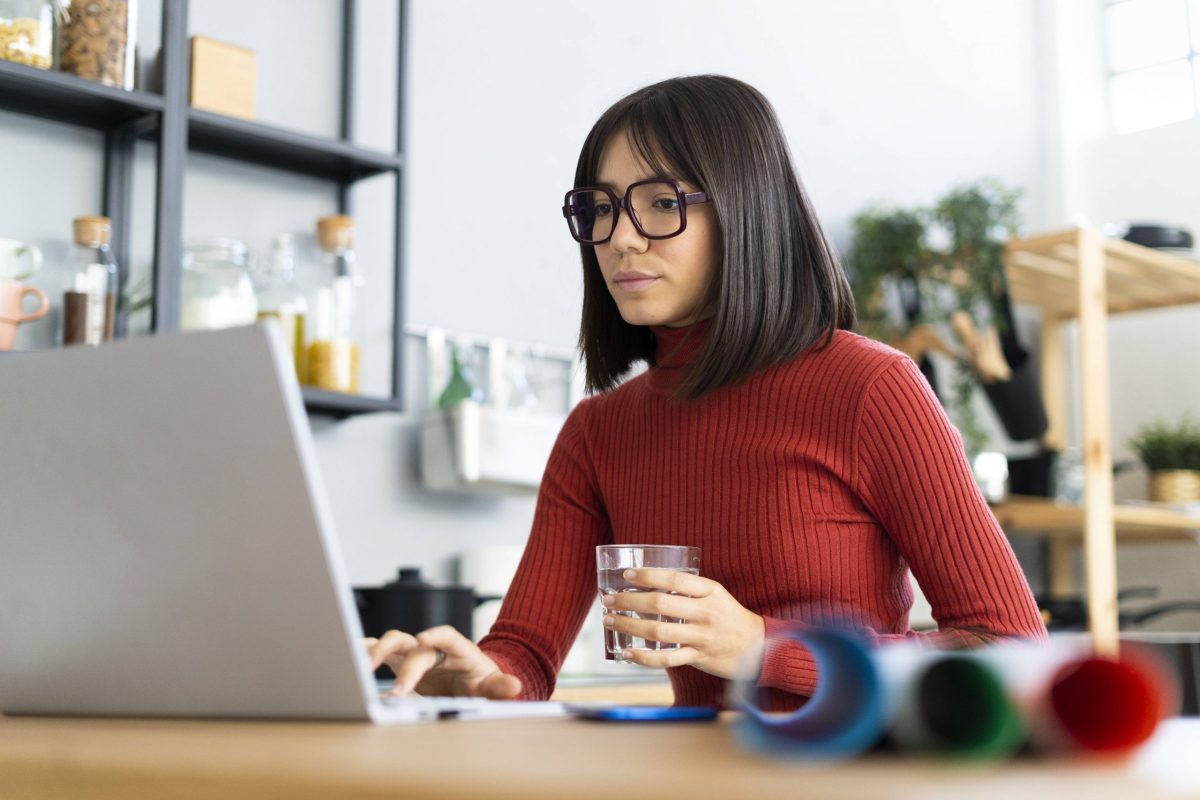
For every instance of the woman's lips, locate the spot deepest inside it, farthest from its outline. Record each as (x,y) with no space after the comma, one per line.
(635,284)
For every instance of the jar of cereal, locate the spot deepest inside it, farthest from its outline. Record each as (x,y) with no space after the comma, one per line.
(96,40)
(27,31)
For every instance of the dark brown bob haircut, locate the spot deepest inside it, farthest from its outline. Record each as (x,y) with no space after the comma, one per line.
(778,288)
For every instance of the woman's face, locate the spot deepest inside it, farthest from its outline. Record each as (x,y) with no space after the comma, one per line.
(655,281)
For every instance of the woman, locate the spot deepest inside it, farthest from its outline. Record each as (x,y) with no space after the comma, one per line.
(810,465)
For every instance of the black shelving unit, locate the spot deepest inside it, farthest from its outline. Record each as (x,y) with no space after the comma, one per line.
(125,116)
(67,98)
(287,150)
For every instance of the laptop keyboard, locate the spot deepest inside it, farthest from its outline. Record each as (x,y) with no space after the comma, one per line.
(435,707)
(419,707)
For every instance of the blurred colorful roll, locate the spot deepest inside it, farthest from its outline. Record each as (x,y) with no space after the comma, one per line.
(987,703)
(845,715)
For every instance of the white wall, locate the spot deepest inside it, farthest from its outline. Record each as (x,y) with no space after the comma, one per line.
(881,100)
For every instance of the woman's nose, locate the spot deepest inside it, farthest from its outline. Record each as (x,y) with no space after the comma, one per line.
(626,237)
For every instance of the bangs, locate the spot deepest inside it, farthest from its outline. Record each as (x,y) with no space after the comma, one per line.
(653,133)
(657,145)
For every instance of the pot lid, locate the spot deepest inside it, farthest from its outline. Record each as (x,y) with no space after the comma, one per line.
(410,578)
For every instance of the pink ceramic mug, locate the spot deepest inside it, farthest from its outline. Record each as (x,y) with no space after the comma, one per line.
(12,303)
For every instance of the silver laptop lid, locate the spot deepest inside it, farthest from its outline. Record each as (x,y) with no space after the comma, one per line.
(166,548)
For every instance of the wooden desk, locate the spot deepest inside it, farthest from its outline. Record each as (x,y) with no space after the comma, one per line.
(563,759)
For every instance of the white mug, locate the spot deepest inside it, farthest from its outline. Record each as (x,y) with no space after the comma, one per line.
(10,254)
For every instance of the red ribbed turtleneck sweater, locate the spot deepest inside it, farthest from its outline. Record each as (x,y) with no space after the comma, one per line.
(809,489)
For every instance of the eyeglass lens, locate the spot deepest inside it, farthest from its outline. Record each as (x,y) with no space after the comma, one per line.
(654,206)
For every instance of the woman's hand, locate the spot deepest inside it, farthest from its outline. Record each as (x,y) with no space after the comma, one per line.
(440,662)
(719,636)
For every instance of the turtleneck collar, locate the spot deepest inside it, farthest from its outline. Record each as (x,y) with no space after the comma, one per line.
(674,351)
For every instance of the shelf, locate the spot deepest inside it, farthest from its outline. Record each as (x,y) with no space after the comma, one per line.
(316,401)
(1042,516)
(1043,271)
(68,98)
(74,100)
(270,146)
(336,404)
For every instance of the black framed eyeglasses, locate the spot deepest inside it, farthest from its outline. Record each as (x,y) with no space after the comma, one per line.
(657,208)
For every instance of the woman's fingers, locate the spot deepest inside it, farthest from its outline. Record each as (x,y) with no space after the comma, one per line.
(678,657)
(672,580)
(477,674)
(410,672)
(449,641)
(452,663)
(390,644)
(462,655)
(661,603)
(654,630)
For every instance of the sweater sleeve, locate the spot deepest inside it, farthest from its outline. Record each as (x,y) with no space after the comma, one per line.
(912,475)
(556,580)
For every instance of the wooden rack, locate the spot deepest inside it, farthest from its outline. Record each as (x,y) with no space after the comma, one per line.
(1079,274)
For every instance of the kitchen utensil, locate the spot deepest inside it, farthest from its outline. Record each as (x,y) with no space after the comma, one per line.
(412,604)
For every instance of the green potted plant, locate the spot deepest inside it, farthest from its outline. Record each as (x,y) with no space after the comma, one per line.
(979,218)
(1172,455)
(897,279)
(896,256)
(889,257)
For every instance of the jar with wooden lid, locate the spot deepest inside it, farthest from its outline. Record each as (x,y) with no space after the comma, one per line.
(96,40)
(335,352)
(27,31)
(90,297)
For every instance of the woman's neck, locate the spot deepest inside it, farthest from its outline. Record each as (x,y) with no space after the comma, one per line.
(675,350)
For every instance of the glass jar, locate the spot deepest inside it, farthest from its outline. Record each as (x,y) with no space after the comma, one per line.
(27,31)
(216,286)
(1070,477)
(96,40)
(335,352)
(280,298)
(89,310)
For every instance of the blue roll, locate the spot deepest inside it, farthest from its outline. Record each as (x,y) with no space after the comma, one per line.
(844,717)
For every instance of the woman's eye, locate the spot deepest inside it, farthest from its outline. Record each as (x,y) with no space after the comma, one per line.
(603,209)
(666,204)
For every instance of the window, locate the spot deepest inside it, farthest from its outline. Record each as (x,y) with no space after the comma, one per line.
(1153,53)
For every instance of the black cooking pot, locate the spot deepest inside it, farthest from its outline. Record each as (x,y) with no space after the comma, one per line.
(412,605)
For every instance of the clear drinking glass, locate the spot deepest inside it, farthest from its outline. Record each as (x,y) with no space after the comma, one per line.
(611,562)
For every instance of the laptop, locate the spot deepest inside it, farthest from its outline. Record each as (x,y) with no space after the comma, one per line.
(166,545)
